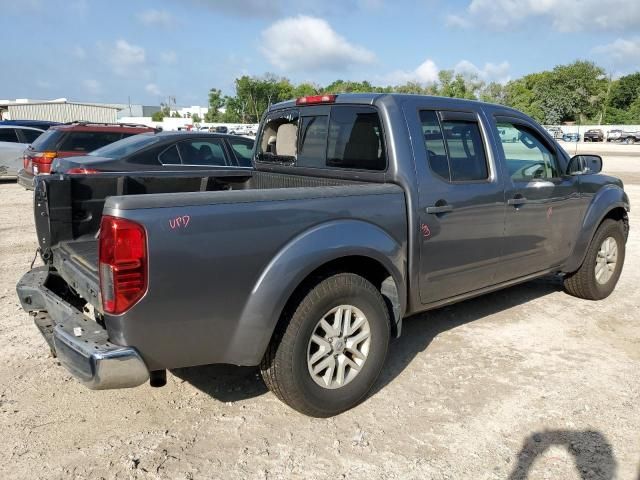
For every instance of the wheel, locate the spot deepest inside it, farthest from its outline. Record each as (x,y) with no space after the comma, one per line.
(599,273)
(630,141)
(327,353)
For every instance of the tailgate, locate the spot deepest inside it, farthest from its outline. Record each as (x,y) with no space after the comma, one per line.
(77,263)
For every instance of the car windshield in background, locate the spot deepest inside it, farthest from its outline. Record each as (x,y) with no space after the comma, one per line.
(124,147)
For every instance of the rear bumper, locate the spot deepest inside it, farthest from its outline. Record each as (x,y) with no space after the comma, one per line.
(81,345)
(25,179)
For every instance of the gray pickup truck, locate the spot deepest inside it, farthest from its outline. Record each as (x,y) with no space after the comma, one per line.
(362,209)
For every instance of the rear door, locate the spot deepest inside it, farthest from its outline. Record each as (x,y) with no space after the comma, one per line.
(461,205)
(543,210)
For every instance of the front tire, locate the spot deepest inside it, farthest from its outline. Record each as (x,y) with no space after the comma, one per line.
(328,352)
(599,273)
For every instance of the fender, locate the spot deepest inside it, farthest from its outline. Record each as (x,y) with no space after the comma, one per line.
(296,260)
(605,200)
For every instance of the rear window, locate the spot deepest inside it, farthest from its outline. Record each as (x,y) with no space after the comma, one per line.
(8,135)
(126,146)
(48,140)
(349,137)
(88,141)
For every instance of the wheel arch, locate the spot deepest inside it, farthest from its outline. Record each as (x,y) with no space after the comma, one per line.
(611,203)
(339,246)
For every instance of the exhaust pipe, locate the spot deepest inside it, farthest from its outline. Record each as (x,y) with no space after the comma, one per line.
(158,378)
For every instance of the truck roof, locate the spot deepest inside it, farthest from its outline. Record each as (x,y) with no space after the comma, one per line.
(372,98)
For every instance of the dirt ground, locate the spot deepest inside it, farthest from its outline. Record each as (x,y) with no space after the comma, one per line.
(524,383)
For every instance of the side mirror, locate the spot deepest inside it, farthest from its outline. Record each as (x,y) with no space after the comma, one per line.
(585,164)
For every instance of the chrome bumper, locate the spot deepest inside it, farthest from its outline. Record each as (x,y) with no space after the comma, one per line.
(80,344)
(25,179)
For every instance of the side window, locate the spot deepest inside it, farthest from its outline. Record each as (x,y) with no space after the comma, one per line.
(202,152)
(526,154)
(279,137)
(313,141)
(467,160)
(455,148)
(170,156)
(434,141)
(88,141)
(30,135)
(355,139)
(242,148)
(8,135)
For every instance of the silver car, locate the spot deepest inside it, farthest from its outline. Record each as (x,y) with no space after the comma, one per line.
(13,142)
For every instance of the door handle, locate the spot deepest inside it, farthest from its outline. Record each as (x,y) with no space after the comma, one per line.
(439,209)
(517,201)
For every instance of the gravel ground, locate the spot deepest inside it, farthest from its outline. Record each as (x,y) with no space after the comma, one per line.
(523,383)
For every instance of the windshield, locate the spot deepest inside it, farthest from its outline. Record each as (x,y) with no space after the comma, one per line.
(124,147)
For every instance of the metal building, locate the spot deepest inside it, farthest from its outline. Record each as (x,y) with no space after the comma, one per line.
(59,111)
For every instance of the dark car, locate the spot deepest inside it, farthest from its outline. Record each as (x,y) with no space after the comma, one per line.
(594,135)
(69,140)
(162,151)
(41,124)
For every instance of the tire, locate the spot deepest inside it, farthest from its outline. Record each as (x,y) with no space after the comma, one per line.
(584,283)
(630,141)
(285,366)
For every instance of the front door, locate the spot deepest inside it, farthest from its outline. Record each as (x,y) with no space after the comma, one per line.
(543,204)
(461,206)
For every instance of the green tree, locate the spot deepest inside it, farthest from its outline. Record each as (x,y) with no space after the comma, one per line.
(164,112)
(493,93)
(216,103)
(196,118)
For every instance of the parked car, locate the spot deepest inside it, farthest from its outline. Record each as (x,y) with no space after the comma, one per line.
(571,137)
(594,135)
(626,137)
(14,140)
(221,129)
(614,135)
(41,124)
(556,132)
(68,140)
(162,151)
(508,135)
(306,266)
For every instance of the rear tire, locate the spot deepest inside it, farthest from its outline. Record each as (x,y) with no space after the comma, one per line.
(292,367)
(599,273)
(630,141)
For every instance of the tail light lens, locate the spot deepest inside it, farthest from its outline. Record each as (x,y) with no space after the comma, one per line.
(123,263)
(41,162)
(87,171)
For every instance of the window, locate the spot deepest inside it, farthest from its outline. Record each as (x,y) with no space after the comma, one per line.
(170,156)
(355,139)
(48,140)
(528,158)
(30,135)
(126,146)
(88,141)
(243,148)
(313,141)
(434,141)
(8,135)
(454,147)
(202,152)
(278,139)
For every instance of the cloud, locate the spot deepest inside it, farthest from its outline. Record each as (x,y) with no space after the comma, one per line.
(491,72)
(309,44)
(170,57)
(153,89)
(125,57)
(154,17)
(92,86)
(79,52)
(624,52)
(425,73)
(564,15)
(456,21)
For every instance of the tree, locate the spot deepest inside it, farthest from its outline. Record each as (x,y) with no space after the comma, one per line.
(493,93)
(195,118)
(216,103)
(164,112)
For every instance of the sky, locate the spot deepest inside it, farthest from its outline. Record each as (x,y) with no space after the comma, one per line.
(145,51)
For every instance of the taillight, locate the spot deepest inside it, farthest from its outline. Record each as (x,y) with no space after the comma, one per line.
(83,170)
(123,263)
(25,162)
(313,99)
(41,162)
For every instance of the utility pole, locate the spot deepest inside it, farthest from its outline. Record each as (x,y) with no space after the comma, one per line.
(606,100)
